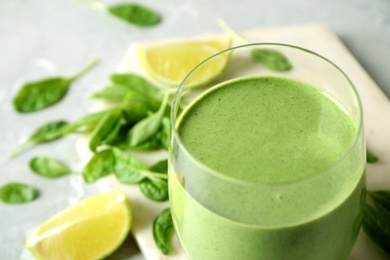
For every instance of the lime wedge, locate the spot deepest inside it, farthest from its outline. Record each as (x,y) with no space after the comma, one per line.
(91,229)
(169,63)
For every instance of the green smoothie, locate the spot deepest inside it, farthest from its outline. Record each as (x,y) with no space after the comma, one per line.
(268,176)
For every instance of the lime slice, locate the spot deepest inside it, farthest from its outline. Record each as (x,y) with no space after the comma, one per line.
(91,229)
(169,63)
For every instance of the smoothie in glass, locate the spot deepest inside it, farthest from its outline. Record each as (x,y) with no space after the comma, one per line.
(266,168)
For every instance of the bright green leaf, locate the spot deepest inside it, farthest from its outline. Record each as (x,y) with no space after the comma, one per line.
(37,95)
(163,231)
(135,14)
(100,165)
(272,59)
(48,167)
(17,193)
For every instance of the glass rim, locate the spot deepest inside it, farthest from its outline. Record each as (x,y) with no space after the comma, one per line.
(176,135)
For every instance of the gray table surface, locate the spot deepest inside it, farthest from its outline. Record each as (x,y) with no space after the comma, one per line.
(49,37)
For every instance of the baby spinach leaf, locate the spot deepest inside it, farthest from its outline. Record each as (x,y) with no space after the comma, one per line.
(373,229)
(119,140)
(138,84)
(56,129)
(160,166)
(165,133)
(154,189)
(17,193)
(100,165)
(163,231)
(136,111)
(158,141)
(135,14)
(128,169)
(376,219)
(147,127)
(380,197)
(115,93)
(134,86)
(272,59)
(48,167)
(371,157)
(131,13)
(106,129)
(48,132)
(45,133)
(153,143)
(40,94)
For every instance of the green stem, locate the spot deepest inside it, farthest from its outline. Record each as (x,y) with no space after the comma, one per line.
(163,104)
(165,99)
(20,148)
(232,33)
(85,70)
(95,5)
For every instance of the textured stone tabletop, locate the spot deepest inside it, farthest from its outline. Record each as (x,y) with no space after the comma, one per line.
(56,37)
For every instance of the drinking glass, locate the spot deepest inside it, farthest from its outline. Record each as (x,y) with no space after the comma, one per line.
(306,204)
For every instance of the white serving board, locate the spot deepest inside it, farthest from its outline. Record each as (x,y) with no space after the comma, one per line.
(317,38)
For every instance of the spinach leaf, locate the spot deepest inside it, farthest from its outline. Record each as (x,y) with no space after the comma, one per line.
(158,141)
(128,169)
(100,165)
(120,141)
(153,143)
(147,127)
(17,193)
(131,13)
(135,14)
(371,158)
(138,84)
(48,167)
(154,188)
(373,222)
(129,85)
(380,198)
(272,59)
(165,133)
(163,231)
(48,132)
(133,114)
(136,111)
(107,129)
(115,93)
(37,95)
(56,129)
(160,166)
(376,219)
(45,133)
